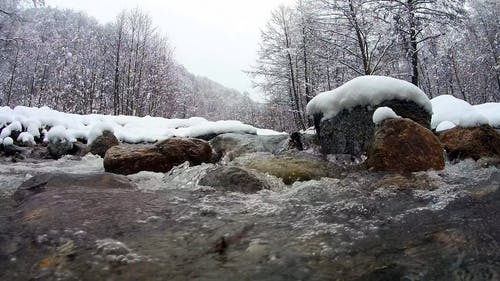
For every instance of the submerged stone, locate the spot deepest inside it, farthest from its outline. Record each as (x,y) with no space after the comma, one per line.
(232,178)
(291,169)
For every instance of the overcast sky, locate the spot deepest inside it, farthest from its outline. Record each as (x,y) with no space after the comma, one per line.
(217,39)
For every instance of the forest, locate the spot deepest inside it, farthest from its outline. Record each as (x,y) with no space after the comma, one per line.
(70,62)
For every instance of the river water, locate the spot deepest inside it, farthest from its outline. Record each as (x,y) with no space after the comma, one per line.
(360,226)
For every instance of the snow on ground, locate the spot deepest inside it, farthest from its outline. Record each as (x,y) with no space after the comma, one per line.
(383,113)
(459,112)
(131,129)
(366,91)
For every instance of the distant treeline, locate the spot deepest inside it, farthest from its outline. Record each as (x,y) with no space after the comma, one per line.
(70,62)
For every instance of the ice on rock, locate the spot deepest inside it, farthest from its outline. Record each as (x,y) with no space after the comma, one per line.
(368,90)
(383,113)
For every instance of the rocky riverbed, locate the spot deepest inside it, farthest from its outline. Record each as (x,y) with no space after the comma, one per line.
(69,220)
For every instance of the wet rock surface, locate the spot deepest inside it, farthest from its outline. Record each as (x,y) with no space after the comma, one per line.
(129,159)
(232,145)
(232,178)
(402,145)
(462,143)
(292,167)
(351,132)
(361,226)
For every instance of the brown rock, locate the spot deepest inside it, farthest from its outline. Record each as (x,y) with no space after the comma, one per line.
(402,145)
(130,159)
(79,149)
(461,143)
(179,150)
(102,143)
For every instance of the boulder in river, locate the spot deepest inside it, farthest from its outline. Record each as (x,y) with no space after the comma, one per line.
(102,143)
(293,168)
(477,142)
(233,145)
(60,147)
(402,145)
(232,178)
(180,150)
(351,131)
(161,157)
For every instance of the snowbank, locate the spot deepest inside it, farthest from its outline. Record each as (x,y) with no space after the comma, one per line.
(461,113)
(131,129)
(491,111)
(383,113)
(364,91)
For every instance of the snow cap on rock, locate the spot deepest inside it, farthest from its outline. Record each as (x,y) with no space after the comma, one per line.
(26,137)
(445,125)
(367,90)
(383,113)
(59,133)
(97,130)
(457,111)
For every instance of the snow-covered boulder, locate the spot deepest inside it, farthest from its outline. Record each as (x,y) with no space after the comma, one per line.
(477,142)
(457,111)
(26,139)
(162,157)
(343,116)
(402,145)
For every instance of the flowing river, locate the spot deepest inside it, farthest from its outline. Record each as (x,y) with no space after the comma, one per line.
(360,226)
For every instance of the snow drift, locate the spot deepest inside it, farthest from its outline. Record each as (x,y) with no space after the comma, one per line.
(30,121)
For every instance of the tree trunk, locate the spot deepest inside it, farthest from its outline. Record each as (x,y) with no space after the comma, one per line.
(116,87)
